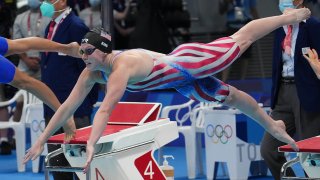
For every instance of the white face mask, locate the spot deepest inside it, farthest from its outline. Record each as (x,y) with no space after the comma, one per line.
(94,3)
(284,4)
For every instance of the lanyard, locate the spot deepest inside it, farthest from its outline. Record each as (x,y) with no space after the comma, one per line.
(29,23)
(62,19)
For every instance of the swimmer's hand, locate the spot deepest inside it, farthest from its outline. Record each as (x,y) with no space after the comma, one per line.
(90,153)
(72,49)
(34,152)
(69,130)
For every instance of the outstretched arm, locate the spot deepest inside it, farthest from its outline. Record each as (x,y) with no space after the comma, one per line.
(116,87)
(250,107)
(78,94)
(36,87)
(40,44)
(314,61)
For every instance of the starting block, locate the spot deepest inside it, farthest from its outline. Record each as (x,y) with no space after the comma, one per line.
(125,150)
(308,156)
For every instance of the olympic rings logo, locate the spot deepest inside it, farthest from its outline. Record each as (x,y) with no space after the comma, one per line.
(218,133)
(38,125)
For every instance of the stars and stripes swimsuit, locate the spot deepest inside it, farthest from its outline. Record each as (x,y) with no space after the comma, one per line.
(189,69)
(7,69)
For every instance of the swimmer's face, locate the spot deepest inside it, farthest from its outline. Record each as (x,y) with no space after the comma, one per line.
(91,56)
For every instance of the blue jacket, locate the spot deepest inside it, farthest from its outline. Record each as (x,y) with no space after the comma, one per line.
(308,85)
(61,72)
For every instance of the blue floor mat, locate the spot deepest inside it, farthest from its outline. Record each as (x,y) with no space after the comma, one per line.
(8,167)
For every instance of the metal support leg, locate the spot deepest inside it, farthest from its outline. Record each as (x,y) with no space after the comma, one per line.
(289,164)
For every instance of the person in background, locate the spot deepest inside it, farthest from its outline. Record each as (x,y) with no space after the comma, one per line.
(238,13)
(124,22)
(61,72)
(31,23)
(295,89)
(92,15)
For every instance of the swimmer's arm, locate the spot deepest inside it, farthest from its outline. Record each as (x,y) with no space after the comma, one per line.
(44,93)
(21,45)
(116,86)
(36,87)
(66,110)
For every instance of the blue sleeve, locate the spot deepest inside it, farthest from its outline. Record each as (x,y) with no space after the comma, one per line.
(7,70)
(3,46)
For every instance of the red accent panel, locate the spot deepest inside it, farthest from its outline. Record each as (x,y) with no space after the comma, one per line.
(154,115)
(148,168)
(99,175)
(311,145)
(127,113)
(82,135)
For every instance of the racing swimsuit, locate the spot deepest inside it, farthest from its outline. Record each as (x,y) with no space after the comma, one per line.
(189,69)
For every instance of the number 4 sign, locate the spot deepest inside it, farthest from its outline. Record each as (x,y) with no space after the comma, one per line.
(148,168)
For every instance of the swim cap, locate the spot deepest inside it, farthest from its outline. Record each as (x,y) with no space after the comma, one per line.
(101,41)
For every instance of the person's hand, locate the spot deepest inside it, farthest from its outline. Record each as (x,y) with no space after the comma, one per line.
(33,152)
(278,130)
(313,60)
(73,50)
(69,130)
(33,63)
(90,153)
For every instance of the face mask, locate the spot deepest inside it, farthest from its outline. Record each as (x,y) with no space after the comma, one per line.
(47,9)
(94,3)
(34,4)
(284,4)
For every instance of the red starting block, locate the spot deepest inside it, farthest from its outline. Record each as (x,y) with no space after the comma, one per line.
(308,156)
(125,150)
